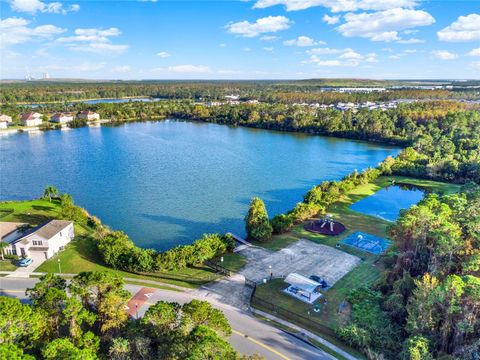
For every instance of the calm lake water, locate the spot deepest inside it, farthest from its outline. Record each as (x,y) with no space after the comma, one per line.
(387,202)
(165,183)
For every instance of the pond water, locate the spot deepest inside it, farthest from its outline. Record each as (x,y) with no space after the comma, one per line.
(387,202)
(166,183)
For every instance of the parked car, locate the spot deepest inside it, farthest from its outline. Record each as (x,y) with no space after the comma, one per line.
(319,280)
(25,262)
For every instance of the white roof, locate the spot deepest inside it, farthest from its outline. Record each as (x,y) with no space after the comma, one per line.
(301,282)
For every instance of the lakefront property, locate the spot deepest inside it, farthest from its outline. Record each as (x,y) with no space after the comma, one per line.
(40,242)
(240,180)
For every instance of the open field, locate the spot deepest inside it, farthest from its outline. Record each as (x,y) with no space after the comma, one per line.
(81,254)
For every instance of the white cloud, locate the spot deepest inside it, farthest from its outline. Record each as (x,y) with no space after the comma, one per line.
(410,51)
(303,41)
(347,58)
(14,30)
(247,49)
(268,48)
(411,41)
(474,52)
(263,25)
(189,69)
(32,6)
(331,20)
(163,54)
(94,40)
(350,54)
(444,55)
(383,25)
(337,5)
(465,28)
(394,57)
(222,45)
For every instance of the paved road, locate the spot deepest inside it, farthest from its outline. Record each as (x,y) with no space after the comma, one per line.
(250,335)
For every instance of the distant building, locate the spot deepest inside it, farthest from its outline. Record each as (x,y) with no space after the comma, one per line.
(41,242)
(5,118)
(3,124)
(62,118)
(31,119)
(46,76)
(88,115)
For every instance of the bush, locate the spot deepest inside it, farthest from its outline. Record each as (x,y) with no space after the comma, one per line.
(256,221)
(303,211)
(281,223)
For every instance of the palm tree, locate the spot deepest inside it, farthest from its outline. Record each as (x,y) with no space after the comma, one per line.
(3,245)
(49,192)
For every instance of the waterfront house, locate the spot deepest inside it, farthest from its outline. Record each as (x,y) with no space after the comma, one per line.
(31,118)
(88,115)
(5,118)
(40,242)
(3,124)
(62,118)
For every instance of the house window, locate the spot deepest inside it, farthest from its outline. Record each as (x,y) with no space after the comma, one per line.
(37,242)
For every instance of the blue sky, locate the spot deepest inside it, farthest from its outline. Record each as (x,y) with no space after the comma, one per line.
(261,39)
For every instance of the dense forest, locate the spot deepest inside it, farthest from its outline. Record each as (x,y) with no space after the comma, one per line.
(86,320)
(271,91)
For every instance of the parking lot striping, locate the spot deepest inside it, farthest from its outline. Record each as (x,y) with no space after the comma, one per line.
(269,348)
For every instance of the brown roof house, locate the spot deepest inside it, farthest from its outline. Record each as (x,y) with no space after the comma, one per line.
(62,118)
(45,240)
(31,119)
(88,115)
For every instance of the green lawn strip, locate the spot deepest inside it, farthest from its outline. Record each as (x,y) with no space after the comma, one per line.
(156,286)
(33,212)
(231,261)
(7,265)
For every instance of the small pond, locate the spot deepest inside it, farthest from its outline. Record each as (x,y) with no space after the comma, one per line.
(387,202)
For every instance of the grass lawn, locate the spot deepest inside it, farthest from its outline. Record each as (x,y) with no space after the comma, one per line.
(81,255)
(232,261)
(7,265)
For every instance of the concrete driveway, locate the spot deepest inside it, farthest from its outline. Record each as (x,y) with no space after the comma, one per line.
(38,259)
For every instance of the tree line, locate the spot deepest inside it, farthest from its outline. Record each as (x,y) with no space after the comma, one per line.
(87,320)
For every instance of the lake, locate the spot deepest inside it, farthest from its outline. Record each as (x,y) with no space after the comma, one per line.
(387,202)
(165,183)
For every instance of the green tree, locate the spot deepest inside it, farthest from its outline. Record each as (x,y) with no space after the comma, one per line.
(256,221)
(19,324)
(64,349)
(13,352)
(416,348)
(202,313)
(49,192)
(119,350)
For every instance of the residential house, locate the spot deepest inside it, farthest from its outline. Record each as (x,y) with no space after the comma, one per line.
(62,118)
(88,115)
(3,124)
(41,242)
(5,118)
(31,119)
